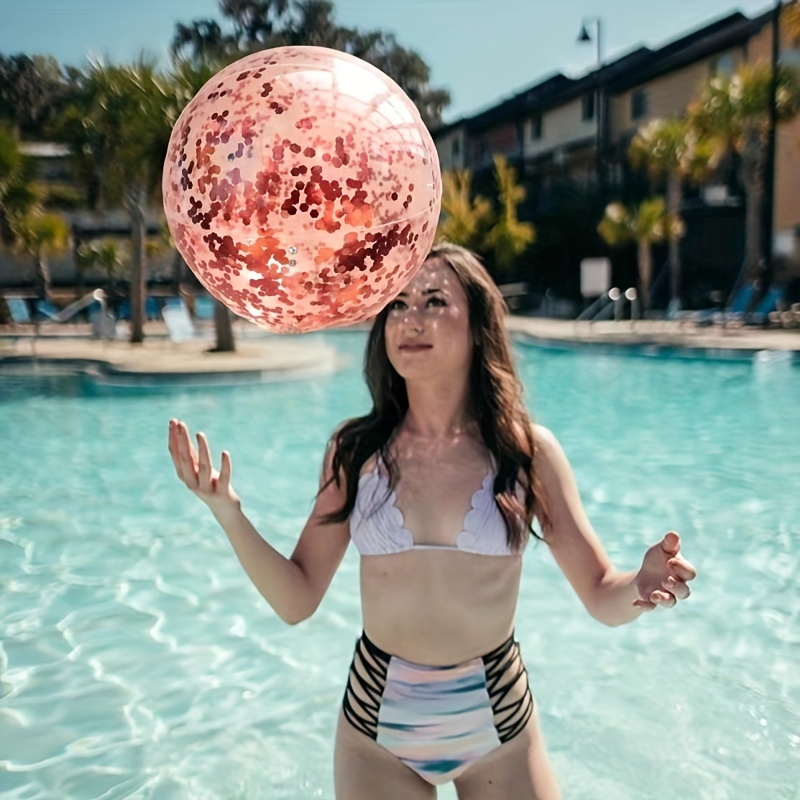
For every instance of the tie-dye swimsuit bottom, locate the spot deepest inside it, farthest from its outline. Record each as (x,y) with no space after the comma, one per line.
(438,720)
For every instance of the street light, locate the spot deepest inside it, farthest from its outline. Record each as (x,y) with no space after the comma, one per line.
(768,209)
(584,37)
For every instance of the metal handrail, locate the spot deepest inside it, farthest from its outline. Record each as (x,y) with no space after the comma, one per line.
(97,296)
(595,308)
(619,299)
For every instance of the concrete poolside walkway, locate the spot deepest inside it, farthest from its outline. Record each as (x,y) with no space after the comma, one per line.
(158,360)
(259,358)
(663,333)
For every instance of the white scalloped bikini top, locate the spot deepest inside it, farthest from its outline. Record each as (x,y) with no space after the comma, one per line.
(377,526)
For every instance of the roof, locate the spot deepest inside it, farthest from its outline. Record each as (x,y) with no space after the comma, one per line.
(640,65)
(731,31)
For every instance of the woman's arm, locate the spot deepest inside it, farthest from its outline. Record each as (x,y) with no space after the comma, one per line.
(294,587)
(611,597)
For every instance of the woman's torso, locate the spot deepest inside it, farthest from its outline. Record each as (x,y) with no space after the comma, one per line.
(439,606)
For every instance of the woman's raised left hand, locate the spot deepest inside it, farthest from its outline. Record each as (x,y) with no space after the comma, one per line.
(664,576)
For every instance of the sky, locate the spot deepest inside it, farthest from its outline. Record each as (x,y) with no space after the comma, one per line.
(482,51)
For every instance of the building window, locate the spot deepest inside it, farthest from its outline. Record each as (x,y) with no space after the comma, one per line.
(587,112)
(455,149)
(724,65)
(535,128)
(639,104)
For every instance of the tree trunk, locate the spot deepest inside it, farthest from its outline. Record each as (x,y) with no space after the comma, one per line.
(753,158)
(645,271)
(42,277)
(223,326)
(674,202)
(135,203)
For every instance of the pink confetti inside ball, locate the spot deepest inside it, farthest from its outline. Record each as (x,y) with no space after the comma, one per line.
(302,188)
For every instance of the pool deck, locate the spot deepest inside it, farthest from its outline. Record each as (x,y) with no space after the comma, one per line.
(158,360)
(273,358)
(656,335)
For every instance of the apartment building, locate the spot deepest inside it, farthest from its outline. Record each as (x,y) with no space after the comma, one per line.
(580,129)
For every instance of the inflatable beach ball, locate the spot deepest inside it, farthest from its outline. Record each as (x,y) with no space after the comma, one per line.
(302,188)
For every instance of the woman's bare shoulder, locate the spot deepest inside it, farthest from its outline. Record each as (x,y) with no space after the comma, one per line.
(543,437)
(547,450)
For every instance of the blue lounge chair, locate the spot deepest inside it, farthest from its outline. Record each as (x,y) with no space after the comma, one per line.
(179,324)
(152,309)
(18,308)
(204,307)
(735,312)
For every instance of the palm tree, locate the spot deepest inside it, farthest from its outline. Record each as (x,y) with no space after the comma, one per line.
(31,90)
(671,149)
(40,235)
(106,254)
(474,224)
(509,237)
(120,123)
(465,219)
(257,24)
(791,21)
(23,223)
(733,113)
(18,193)
(185,81)
(646,224)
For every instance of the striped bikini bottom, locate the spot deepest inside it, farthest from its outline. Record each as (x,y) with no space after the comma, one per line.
(438,720)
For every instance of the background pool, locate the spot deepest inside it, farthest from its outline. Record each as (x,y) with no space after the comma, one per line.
(138,661)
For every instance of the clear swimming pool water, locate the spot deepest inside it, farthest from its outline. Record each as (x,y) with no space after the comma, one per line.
(138,661)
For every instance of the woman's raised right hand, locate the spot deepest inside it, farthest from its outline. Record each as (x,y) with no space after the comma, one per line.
(194,468)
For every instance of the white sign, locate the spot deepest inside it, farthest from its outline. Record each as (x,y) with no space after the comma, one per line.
(595,276)
(784,244)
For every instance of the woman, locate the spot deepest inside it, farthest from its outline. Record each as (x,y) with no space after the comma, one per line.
(438,487)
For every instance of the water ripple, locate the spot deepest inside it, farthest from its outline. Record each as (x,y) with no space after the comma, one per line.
(136,661)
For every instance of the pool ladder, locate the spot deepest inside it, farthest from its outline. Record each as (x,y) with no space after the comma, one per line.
(611,303)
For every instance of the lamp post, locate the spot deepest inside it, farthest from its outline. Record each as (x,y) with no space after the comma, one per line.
(768,220)
(584,37)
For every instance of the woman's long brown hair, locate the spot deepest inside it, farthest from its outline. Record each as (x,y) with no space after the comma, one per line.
(495,398)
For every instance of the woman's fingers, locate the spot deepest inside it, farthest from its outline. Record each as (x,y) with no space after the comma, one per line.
(656,599)
(187,459)
(224,480)
(195,467)
(173,444)
(682,568)
(676,587)
(663,599)
(175,447)
(203,464)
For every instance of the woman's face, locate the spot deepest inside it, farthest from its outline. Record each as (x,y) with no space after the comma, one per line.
(427,327)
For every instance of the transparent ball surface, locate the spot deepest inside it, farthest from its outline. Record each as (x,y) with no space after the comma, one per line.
(302,188)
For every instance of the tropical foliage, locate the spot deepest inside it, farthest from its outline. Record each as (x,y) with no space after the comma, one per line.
(465,217)
(646,224)
(32,89)
(732,114)
(118,127)
(18,193)
(25,226)
(250,25)
(39,235)
(470,220)
(671,149)
(791,20)
(509,237)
